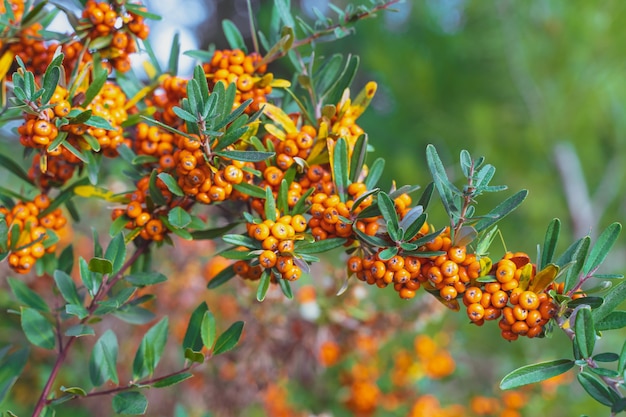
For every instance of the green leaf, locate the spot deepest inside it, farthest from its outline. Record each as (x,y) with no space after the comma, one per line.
(11,367)
(90,279)
(134,314)
(285,287)
(66,286)
(118,225)
(172,64)
(222,277)
(150,350)
(79,330)
(374,173)
(171,184)
(94,88)
(130,403)
(193,338)
(74,390)
(578,258)
(100,265)
(233,35)
(207,329)
(14,168)
(172,380)
(613,320)
(345,79)
(178,217)
(50,81)
(340,168)
(211,234)
(602,247)
(621,364)
(141,279)
(596,389)
(264,284)
(103,361)
(530,374)
(442,183)
(27,296)
(76,310)
(194,356)
(611,300)
(38,330)
(593,302)
(549,243)
(270,205)
(501,210)
(250,189)
(66,259)
(229,339)
(585,332)
(116,253)
(240,240)
(358,158)
(155,192)
(245,156)
(606,357)
(387,208)
(318,246)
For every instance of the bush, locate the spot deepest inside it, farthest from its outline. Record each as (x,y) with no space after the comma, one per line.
(258,176)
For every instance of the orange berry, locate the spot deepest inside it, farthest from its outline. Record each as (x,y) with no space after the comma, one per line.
(267,259)
(529,300)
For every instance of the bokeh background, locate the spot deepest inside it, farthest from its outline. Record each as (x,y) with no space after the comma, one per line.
(536,87)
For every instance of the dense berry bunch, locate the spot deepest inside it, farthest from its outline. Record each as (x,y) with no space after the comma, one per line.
(30,227)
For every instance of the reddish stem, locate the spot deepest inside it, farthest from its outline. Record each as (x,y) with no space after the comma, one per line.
(42,402)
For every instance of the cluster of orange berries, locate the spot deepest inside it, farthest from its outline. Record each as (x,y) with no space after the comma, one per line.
(522,312)
(166,96)
(245,71)
(277,243)
(106,19)
(33,228)
(151,227)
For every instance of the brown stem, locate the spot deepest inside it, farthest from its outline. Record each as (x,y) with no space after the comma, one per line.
(330,29)
(42,402)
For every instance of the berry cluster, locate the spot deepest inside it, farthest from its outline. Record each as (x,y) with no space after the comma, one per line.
(33,226)
(246,71)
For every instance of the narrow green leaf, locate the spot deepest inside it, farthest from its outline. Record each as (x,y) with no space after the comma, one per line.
(549,243)
(224,276)
(387,208)
(27,296)
(233,35)
(150,350)
(193,339)
(38,330)
(130,403)
(116,253)
(264,285)
(270,205)
(11,367)
(79,330)
(538,372)
(602,247)
(596,389)
(172,64)
(442,183)
(229,339)
(155,192)
(606,357)
(172,380)
(50,81)
(66,286)
(134,314)
(585,332)
(246,156)
(374,174)
(621,364)
(345,79)
(171,183)
(611,301)
(285,287)
(340,168)
(141,279)
(14,168)
(103,361)
(90,279)
(501,210)
(613,320)
(211,234)
(250,189)
(578,258)
(207,329)
(94,88)
(319,246)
